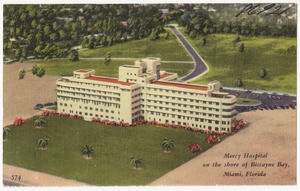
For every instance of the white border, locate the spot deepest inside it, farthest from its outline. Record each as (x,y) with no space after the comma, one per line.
(146,188)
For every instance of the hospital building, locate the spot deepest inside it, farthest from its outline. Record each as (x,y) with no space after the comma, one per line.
(143,91)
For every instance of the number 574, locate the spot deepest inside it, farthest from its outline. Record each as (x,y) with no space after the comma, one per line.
(16,177)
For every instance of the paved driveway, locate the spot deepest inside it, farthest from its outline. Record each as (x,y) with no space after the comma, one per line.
(200,66)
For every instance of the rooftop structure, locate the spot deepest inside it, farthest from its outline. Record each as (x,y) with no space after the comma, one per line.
(143,91)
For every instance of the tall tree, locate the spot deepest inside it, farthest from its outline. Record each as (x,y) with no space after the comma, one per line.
(74,55)
(107,58)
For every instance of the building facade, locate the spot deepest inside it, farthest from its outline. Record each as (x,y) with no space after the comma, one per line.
(143,91)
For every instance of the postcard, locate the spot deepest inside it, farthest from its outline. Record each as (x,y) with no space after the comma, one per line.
(173,94)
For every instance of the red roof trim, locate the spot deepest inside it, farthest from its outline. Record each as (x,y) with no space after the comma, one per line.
(187,86)
(109,80)
(165,75)
(82,71)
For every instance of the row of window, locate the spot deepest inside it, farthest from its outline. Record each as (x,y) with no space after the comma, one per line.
(185,117)
(187,112)
(201,126)
(86,101)
(94,85)
(175,91)
(166,104)
(88,90)
(149,96)
(88,95)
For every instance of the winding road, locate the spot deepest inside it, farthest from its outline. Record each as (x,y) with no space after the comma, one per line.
(200,66)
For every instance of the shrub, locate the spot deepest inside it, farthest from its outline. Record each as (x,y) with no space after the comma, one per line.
(41,72)
(213,139)
(35,69)
(195,148)
(237,39)
(22,74)
(203,42)
(262,73)
(239,82)
(19,121)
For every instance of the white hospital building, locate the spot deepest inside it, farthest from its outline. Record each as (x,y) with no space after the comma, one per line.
(142,91)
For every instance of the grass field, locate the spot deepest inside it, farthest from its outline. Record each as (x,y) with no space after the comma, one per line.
(113,148)
(169,49)
(227,64)
(66,67)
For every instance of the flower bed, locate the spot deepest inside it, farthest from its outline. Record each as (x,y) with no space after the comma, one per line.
(19,121)
(195,148)
(239,124)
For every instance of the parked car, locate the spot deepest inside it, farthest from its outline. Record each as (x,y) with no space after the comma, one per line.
(38,106)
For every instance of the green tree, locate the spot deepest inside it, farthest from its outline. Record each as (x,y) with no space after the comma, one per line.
(39,122)
(107,58)
(193,34)
(24,53)
(262,73)
(85,42)
(91,43)
(43,142)
(167,144)
(241,48)
(41,72)
(22,73)
(6,131)
(35,69)
(154,34)
(167,36)
(136,161)
(236,40)
(73,56)
(239,82)
(18,54)
(203,42)
(62,34)
(53,36)
(87,151)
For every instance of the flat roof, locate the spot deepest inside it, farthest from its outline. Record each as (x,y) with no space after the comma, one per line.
(82,71)
(165,75)
(109,80)
(178,85)
(126,66)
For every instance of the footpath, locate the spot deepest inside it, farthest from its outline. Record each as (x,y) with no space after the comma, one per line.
(33,178)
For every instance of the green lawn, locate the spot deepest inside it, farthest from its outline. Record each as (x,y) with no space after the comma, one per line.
(169,49)
(227,64)
(66,67)
(113,148)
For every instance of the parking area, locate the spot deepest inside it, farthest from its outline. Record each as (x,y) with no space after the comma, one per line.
(269,101)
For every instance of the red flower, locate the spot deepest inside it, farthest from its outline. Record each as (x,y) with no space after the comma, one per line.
(195,148)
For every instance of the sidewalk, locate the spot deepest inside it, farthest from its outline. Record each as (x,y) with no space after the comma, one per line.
(33,178)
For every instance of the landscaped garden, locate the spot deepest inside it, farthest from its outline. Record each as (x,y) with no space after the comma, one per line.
(228,63)
(58,144)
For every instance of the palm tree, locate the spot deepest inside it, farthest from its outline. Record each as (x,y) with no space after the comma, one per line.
(43,142)
(6,131)
(167,144)
(137,161)
(87,151)
(39,122)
